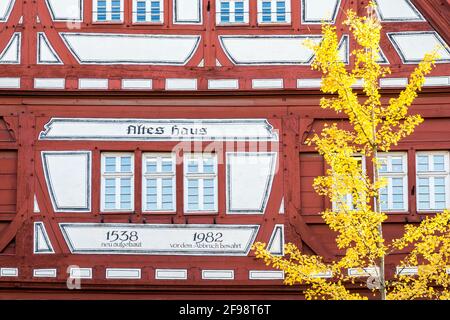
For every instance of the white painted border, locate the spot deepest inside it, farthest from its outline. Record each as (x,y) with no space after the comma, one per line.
(407,271)
(223,84)
(267,83)
(9,272)
(171,274)
(10,83)
(49,83)
(137,84)
(93,84)
(80,273)
(266,275)
(44,273)
(181,84)
(309,83)
(218,274)
(123,273)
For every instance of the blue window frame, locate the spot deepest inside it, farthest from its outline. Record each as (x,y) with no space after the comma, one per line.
(101,10)
(266,11)
(155,11)
(116,10)
(239,11)
(141,11)
(281,11)
(225,11)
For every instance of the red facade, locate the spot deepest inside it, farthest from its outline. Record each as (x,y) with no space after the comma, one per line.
(221,85)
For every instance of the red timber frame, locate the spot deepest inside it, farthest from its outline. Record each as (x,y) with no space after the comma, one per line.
(293,113)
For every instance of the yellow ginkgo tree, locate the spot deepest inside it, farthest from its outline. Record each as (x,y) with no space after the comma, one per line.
(356,216)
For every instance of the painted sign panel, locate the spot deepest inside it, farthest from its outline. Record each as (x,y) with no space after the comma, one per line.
(159,239)
(158,129)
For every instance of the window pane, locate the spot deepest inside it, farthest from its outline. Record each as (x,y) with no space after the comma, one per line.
(141,11)
(101,10)
(115,10)
(422,163)
(156,11)
(151,166)
(266,11)
(208,165)
(383,165)
(239,11)
(125,164)
(438,161)
(281,11)
(167,165)
(225,11)
(192,166)
(397,164)
(110,164)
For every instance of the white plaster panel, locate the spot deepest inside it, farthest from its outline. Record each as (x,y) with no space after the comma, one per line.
(309,83)
(268,50)
(12,52)
(218,274)
(136,84)
(41,242)
(68,176)
(171,274)
(49,83)
(81,273)
(266,275)
(276,242)
(44,273)
(437,81)
(223,84)
(407,45)
(9,272)
(316,11)
(187,11)
(93,84)
(397,11)
(249,181)
(62,10)
(267,83)
(45,52)
(5,9)
(9,83)
(393,82)
(119,273)
(102,48)
(181,84)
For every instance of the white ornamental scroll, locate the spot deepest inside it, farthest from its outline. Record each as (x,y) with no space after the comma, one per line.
(158,129)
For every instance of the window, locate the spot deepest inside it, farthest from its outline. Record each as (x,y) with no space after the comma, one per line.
(117,182)
(274,11)
(232,11)
(347,199)
(158,186)
(200,182)
(148,11)
(108,10)
(432,170)
(394,197)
